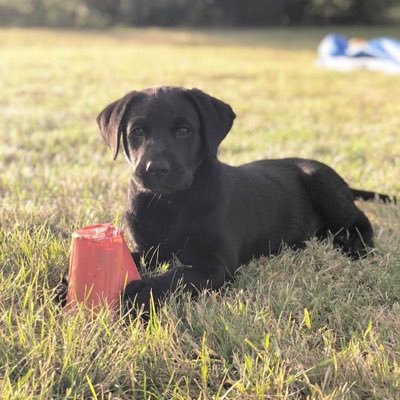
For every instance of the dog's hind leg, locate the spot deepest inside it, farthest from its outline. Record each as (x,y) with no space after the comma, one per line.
(357,240)
(334,203)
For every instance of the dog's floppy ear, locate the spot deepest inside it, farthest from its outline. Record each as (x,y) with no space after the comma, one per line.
(110,121)
(216,117)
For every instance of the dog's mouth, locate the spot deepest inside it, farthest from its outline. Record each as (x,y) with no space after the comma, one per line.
(163,186)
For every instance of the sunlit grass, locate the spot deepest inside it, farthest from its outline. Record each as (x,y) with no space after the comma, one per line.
(301,324)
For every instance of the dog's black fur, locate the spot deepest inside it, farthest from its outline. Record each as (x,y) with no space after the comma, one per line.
(213,217)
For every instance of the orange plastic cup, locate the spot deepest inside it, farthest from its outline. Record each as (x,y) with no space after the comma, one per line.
(100,266)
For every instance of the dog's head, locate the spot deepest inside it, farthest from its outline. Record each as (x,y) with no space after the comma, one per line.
(166,133)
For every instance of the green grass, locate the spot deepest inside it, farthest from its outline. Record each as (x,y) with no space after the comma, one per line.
(300,325)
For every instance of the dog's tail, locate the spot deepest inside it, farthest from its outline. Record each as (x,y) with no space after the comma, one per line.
(367,195)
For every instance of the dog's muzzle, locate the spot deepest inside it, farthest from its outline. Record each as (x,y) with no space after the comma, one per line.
(161,177)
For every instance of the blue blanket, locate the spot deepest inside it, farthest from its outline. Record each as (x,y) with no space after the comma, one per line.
(379,54)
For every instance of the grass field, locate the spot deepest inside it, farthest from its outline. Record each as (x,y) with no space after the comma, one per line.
(300,325)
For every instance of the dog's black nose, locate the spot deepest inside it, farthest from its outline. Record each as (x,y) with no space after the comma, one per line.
(158,168)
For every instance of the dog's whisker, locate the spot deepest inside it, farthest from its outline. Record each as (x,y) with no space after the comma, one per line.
(158,199)
(151,200)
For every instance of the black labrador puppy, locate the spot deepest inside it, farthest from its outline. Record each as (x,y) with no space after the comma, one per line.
(185,204)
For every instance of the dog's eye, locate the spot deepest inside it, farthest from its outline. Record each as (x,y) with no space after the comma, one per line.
(183,131)
(138,132)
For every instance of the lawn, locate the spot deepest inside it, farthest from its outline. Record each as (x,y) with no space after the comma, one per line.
(308,324)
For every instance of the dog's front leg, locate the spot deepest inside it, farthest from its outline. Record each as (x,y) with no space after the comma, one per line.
(138,293)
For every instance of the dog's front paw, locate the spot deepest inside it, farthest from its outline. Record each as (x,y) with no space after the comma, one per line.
(60,293)
(138,294)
